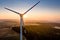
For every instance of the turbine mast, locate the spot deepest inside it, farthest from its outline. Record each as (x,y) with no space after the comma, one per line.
(21,25)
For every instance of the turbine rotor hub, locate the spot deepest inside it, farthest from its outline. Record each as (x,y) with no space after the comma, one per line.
(21,15)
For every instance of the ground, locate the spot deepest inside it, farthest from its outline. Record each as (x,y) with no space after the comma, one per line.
(10,30)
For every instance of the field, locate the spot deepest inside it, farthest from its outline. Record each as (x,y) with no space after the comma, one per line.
(9,30)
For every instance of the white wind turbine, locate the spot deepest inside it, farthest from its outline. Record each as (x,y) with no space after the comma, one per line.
(21,17)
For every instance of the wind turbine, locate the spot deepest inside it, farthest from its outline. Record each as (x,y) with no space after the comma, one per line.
(21,17)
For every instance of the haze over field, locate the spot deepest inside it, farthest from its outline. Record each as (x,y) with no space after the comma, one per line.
(9,30)
(46,10)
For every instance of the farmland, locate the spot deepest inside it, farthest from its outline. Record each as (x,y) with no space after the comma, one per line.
(9,30)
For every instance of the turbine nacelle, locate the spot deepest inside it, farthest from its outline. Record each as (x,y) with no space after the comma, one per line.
(21,15)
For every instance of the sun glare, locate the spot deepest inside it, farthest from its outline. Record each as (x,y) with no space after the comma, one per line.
(25,16)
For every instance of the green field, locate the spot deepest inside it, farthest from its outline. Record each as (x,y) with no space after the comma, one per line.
(10,30)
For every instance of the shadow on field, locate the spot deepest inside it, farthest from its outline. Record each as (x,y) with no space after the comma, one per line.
(10,38)
(40,32)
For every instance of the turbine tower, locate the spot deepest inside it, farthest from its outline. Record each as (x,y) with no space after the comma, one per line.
(21,17)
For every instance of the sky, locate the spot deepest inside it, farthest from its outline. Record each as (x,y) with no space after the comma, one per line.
(46,10)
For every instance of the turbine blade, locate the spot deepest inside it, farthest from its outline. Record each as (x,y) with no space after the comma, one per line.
(31,7)
(12,11)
